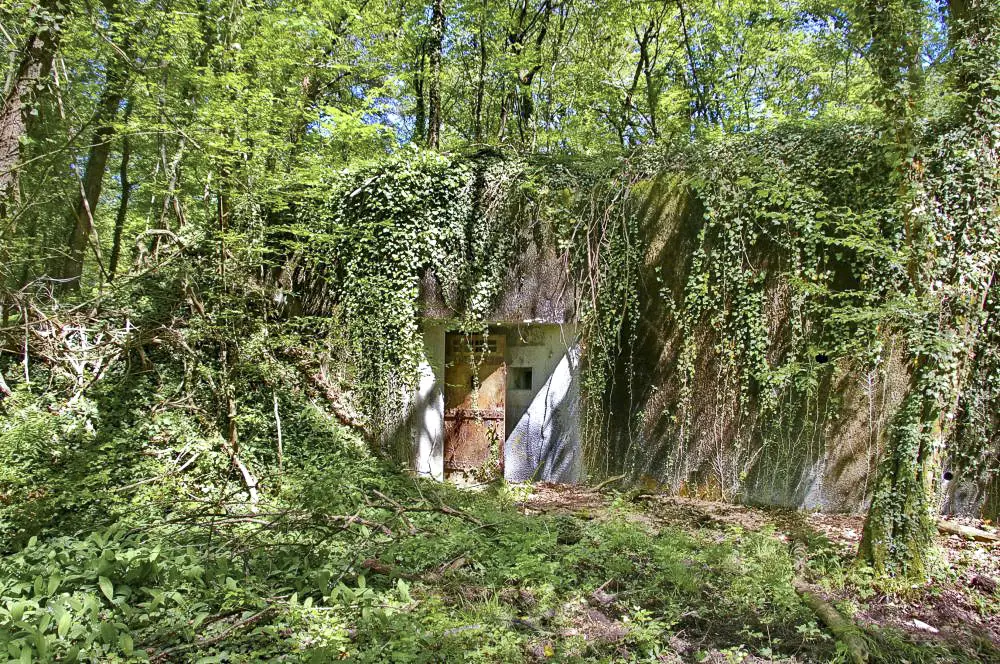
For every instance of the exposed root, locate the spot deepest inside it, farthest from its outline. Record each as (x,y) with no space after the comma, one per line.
(843,629)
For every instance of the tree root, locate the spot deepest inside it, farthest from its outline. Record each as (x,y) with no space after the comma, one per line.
(610,480)
(842,628)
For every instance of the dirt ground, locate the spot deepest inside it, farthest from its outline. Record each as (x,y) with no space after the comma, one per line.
(961,605)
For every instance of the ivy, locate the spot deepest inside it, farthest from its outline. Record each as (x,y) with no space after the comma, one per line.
(807,216)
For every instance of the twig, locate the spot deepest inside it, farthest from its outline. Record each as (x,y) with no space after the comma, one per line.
(248,478)
(164,476)
(400,510)
(444,509)
(277,424)
(358,520)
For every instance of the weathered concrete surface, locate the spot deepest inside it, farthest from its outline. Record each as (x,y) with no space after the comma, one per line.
(426,421)
(819,450)
(537,288)
(543,423)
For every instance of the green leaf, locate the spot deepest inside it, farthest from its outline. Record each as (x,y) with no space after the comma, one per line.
(404,590)
(107,587)
(108,633)
(125,643)
(17,610)
(65,622)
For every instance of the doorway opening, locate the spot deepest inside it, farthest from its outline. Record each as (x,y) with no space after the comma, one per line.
(475,394)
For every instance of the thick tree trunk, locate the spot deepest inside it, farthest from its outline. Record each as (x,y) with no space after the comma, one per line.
(15,117)
(899,530)
(900,526)
(82,216)
(434,93)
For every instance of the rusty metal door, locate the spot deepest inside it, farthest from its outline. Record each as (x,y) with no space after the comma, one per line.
(475,379)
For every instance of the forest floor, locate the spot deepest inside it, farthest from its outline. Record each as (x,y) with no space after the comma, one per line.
(131,531)
(958,612)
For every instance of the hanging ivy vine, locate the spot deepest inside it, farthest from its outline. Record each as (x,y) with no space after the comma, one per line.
(811,211)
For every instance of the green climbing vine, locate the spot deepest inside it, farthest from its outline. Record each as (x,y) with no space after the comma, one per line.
(797,271)
(787,267)
(950,204)
(366,238)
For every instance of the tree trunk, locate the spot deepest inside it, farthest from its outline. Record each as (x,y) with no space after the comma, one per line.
(82,215)
(16,116)
(126,193)
(420,113)
(899,530)
(700,104)
(434,93)
(481,82)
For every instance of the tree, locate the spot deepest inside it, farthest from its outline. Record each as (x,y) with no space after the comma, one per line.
(82,215)
(19,112)
(959,212)
(434,94)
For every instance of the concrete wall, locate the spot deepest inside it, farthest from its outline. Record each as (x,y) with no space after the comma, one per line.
(819,450)
(542,422)
(426,417)
(536,287)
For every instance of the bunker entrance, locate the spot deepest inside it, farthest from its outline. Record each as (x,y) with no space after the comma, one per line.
(475,378)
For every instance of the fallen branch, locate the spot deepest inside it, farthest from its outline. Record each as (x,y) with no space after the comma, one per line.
(458,630)
(248,478)
(451,511)
(343,411)
(441,509)
(393,572)
(358,520)
(163,655)
(400,510)
(842,628)
(968,532)
(610,480)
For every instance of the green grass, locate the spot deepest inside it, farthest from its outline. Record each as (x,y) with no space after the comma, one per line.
(114,554)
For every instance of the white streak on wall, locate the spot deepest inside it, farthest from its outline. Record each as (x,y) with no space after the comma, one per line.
(427,411)
(543,443)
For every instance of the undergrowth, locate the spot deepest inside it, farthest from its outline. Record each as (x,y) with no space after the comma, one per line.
(128,536)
